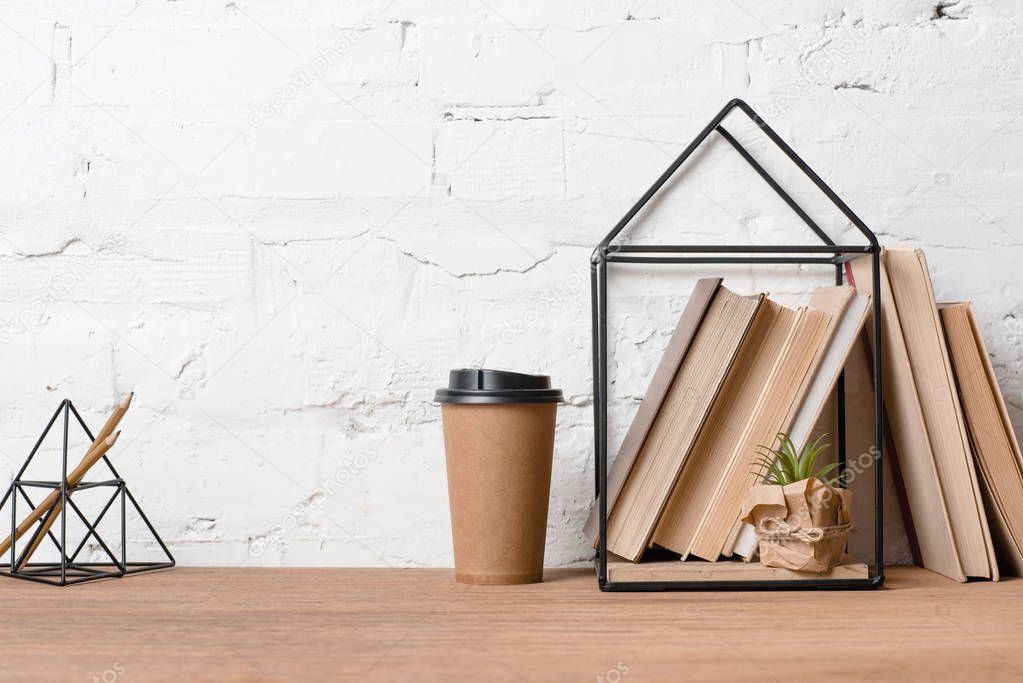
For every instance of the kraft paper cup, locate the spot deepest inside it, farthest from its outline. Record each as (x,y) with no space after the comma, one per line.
(499,445)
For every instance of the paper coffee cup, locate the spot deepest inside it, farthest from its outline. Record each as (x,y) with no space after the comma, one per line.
(499,445)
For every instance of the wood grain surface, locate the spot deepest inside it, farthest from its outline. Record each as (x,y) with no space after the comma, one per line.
(225,625)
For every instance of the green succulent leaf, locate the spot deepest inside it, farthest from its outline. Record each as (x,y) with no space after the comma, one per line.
(784,465)
(810,454)
(787,460)
(822,472)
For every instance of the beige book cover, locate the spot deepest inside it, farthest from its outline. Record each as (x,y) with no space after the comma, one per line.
(686,405)
(665,372)
(724,427)
(929,514)
(789,376)
(848,311)
(939,402)
(900,547)
(995,448)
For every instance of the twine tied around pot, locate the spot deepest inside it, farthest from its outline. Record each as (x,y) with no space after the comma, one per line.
(774,529)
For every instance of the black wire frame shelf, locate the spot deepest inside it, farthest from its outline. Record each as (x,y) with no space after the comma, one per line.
(827,253)
(69,569)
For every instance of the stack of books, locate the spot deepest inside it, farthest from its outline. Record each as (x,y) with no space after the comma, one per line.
(959,467)
(737,371)
(740,369)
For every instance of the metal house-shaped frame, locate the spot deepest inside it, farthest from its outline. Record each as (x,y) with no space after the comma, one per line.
(826,253)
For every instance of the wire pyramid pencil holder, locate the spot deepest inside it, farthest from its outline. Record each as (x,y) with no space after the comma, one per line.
(826,253)
(69,569)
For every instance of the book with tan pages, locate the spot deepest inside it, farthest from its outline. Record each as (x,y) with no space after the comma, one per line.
(939,402)
(787,379)
(995,448)
(671,360)
(900,545)
(926,500)
(648,484)
(725,426)
(848,310)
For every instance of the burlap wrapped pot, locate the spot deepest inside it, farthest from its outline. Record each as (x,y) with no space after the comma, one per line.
(801,526)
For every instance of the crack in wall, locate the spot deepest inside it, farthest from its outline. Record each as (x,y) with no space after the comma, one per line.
(314,240)
(471,274)
(475,118)
(846,85)
(950,10)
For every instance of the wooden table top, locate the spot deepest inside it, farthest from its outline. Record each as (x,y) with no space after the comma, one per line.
(192,624)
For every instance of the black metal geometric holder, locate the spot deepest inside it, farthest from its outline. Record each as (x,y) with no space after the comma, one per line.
(827,253)
(69,570)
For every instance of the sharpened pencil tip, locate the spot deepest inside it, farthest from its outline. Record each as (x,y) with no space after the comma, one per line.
(126,401)
(113,437)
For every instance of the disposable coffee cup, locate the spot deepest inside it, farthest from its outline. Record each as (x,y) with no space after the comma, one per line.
(499,447)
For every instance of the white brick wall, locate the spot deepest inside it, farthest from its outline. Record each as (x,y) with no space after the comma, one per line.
(282,223)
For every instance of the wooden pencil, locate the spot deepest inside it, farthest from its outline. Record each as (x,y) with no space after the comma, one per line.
(75,475)
(44,528)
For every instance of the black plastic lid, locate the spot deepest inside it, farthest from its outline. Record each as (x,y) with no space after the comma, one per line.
(468,385)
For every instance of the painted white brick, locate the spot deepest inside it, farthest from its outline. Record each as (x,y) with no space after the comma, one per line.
(495,160)
(285,274)
(326,159)
(27,51)
(31,175)
(201,66)
(144,66)
(491,64)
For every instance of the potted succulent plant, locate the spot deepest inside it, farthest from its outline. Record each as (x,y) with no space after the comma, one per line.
(802,521)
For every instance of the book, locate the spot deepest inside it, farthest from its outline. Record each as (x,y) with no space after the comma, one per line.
(652,476)
(848,311)
(995,448)
(929,515)
(913,296)
(724,428)
(787,379)
(664,374)
(900,546)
